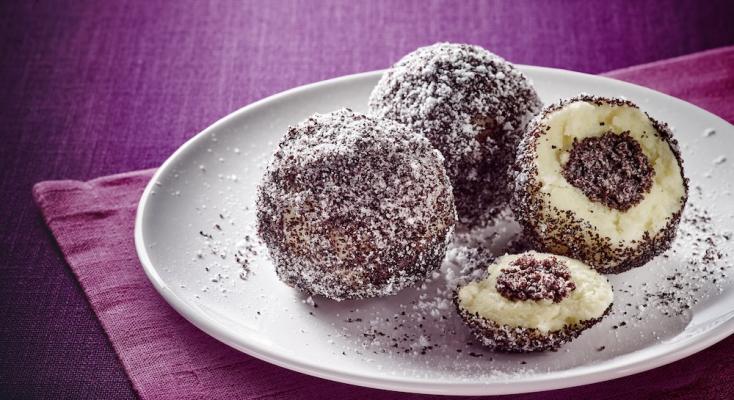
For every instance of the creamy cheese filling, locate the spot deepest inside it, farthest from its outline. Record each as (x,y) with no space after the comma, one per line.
(589,300)
(581,120)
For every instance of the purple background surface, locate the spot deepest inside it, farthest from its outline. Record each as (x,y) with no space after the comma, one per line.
(93,88)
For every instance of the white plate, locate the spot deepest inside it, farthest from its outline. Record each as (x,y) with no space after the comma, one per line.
(217,171)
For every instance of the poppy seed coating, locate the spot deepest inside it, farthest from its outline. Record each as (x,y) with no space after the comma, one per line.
(354,207)
(473,106)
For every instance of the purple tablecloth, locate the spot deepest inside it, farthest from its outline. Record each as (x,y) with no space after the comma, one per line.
(166,357)
(92,88)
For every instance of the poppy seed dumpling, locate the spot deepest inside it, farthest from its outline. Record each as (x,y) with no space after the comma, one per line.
(601,181)
(473,106)
(354,207)
(533,302)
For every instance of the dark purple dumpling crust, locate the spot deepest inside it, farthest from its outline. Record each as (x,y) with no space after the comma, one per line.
(473,106)
(353,207)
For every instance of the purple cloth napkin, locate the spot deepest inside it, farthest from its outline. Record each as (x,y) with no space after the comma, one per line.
(166,357)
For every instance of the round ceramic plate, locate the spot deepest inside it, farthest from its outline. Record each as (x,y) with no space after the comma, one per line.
(196,241)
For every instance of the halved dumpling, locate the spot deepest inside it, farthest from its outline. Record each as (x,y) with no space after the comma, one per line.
(534,302)
(601,181)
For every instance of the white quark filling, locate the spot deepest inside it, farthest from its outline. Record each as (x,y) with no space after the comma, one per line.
(581,120)
(590,299)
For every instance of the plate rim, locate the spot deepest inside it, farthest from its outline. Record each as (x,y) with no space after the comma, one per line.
(585,375)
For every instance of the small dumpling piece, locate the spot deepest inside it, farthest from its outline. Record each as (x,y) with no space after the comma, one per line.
(533,302)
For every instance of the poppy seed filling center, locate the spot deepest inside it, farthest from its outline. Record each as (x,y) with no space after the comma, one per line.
(610,169)
(528,278)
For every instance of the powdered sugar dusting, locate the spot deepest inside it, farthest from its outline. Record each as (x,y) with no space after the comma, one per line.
(355,207)
(473,106)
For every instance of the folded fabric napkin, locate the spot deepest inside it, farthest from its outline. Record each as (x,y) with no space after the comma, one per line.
(168,358)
